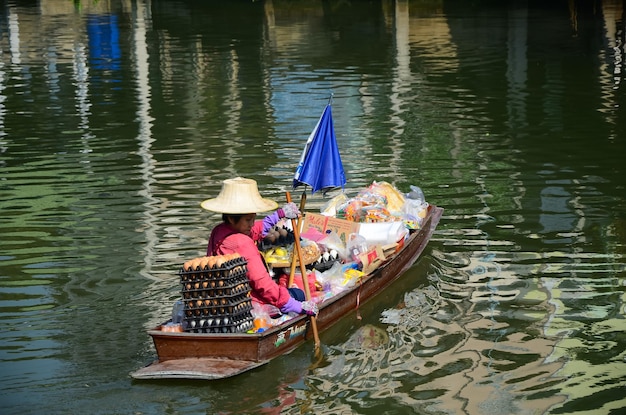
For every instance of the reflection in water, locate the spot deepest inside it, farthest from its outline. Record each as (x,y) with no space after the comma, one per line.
(517,68)
(511,364)
(444,358)
(81,79)
(3,80)
(117,118)
(14,36)
(141,61)
(612,61)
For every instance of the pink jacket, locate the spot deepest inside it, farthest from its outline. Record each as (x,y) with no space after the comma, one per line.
(226,240)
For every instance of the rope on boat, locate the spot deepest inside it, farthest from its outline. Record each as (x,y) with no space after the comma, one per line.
(358,300)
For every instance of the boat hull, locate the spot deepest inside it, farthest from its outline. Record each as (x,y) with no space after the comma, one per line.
(216,356)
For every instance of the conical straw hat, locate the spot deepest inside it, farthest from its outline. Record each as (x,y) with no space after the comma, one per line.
(239,196)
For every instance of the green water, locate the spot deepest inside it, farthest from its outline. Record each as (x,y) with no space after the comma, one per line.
(117,118)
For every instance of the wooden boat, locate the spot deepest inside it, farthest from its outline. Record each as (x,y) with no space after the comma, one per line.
(215,356)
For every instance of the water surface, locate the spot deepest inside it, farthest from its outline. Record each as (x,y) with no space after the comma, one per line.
(118,118)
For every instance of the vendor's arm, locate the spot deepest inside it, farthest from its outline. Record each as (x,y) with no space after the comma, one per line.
(264,288)
(261,227)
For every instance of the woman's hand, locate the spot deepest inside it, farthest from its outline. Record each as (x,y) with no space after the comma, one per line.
(291,211)
(292,306)
(300,307)
(310,308)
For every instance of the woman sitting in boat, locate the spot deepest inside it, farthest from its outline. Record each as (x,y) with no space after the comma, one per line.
(238,202)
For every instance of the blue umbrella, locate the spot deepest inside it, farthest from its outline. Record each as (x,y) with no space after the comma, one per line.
(320,164)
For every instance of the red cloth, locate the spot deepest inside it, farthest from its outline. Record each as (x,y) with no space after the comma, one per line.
(225,240)
(223,230)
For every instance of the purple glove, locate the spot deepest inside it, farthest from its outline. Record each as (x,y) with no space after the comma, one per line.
(304,307)
(291,211)
(292,306)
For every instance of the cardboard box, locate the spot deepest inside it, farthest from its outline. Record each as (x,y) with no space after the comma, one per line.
(325,223)
(372,259)
(380,233)
(391,248)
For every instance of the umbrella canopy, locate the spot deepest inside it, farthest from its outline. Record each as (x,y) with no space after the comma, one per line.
(320,164)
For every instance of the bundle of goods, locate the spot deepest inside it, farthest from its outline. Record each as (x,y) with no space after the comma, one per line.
(367,228)
(381,202)
(215,291)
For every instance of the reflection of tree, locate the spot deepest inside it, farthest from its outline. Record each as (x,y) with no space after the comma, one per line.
(565,264)
(219,88)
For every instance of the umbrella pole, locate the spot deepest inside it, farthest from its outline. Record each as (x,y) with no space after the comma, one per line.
(305,279)
(294,262)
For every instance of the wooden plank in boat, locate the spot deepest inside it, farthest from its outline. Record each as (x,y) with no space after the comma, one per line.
(204,368)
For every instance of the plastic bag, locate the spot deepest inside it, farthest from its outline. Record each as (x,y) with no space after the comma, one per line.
(416,194)
(330,208)
(350,277)
(415,208)
(332,279)
(351,210)
(333,241)
(395,199)
(178,312)
(356,245)
(264,315)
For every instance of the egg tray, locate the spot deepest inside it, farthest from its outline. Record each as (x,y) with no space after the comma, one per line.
(237,313)
(216,293)
(206,275)
(218,306)
(233,328)
(234,267)
(215,288)
(236,323)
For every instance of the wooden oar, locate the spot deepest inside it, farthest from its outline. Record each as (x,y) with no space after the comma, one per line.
(305,279)
(294,259)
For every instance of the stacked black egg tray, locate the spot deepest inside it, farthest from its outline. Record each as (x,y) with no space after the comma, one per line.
(217,300)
